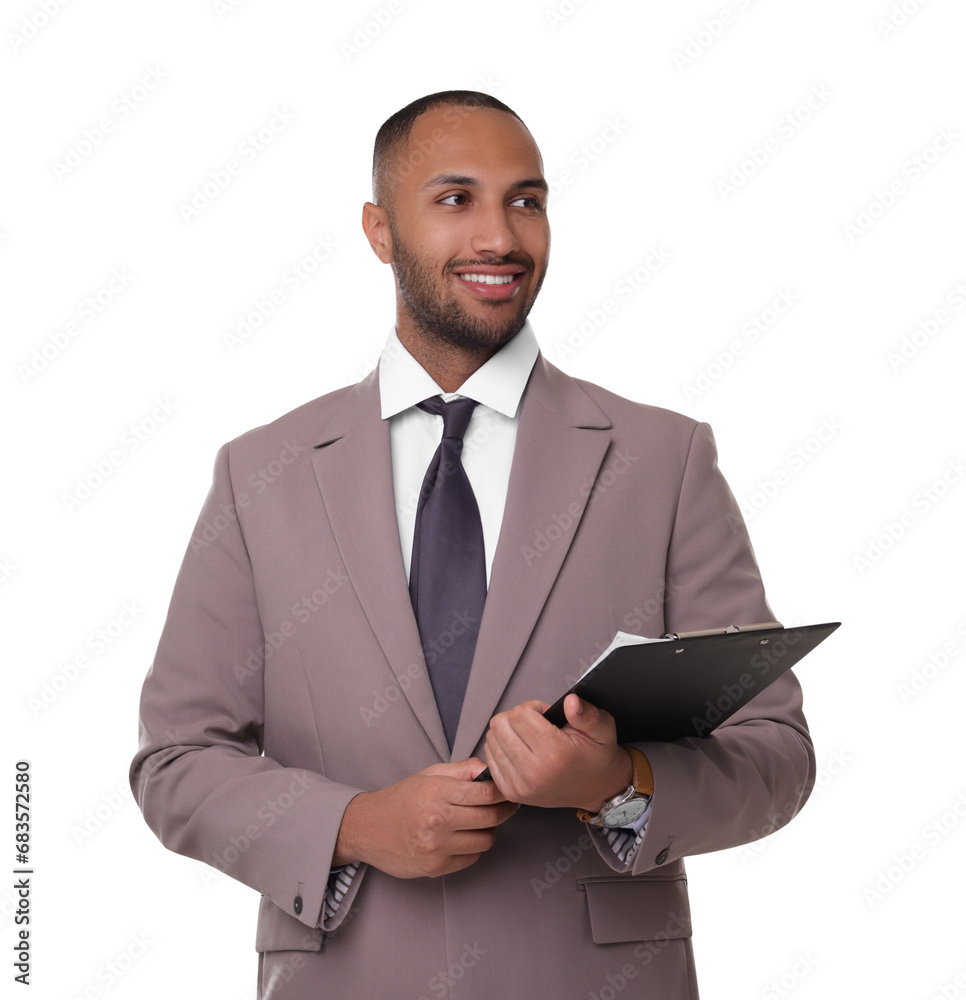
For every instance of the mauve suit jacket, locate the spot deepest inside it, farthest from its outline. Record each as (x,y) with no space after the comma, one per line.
(289,677)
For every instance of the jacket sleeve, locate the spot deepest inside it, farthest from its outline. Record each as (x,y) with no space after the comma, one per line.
(755,771)
(199,776)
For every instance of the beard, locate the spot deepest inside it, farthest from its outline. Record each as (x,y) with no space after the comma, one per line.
(442,317)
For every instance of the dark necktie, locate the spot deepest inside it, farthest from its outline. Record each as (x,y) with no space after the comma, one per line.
(447,576)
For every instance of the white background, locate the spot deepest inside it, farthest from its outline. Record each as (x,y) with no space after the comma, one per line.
(830,437)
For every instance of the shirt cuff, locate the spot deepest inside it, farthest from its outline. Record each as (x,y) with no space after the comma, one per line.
(338,885)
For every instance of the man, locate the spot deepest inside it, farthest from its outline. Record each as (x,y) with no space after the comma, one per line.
(345,649)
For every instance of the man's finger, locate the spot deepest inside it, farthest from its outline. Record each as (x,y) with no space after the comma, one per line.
(588,719)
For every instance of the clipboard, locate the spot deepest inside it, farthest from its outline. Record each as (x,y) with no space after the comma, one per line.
(687,684)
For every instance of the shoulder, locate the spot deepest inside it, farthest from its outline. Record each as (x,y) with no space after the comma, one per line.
(310,424)
(627,416)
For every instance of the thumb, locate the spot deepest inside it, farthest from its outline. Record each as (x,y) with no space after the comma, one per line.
(465,770)
(462,770)
(586,718)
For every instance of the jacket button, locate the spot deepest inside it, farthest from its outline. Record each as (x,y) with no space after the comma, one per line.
(661,858)
(297,905)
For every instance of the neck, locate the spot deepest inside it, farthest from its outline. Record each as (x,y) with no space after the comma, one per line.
(448,366)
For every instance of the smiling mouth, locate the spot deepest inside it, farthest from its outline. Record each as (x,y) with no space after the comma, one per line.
(490,279)
(494,283)
(494,288)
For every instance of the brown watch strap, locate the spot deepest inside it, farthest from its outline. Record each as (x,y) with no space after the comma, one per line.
(643,775)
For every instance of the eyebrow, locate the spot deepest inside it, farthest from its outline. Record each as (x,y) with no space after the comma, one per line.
(462,180)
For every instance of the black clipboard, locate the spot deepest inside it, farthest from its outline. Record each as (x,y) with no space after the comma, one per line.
(688,684)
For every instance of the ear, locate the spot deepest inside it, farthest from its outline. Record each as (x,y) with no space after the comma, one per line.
(375,224)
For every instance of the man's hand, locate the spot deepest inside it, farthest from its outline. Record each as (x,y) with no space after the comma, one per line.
(432,823)
(535,763)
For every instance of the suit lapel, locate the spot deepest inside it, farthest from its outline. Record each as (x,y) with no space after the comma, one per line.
(354,471)
(561,442)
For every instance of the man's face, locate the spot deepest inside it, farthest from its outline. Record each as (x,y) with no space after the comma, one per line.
(468,226)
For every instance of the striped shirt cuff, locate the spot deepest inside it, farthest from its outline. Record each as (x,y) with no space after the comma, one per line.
(339,881)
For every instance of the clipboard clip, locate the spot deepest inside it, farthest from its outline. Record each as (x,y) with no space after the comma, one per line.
(757,627)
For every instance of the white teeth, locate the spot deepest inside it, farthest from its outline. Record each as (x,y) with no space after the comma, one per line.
(489,279)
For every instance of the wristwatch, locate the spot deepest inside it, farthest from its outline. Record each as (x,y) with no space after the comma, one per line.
(624,809)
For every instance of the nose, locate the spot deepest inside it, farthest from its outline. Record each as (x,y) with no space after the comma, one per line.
(494,233)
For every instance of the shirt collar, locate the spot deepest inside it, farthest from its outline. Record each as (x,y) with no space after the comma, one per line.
(498,383)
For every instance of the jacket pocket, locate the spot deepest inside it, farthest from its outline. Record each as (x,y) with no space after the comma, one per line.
(644,908)
(280,931)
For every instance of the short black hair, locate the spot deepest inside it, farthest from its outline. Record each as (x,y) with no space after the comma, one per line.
(395,131)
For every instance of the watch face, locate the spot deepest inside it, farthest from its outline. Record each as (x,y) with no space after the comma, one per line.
(625,813)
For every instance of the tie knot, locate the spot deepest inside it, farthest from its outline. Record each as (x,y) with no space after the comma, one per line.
(456,414)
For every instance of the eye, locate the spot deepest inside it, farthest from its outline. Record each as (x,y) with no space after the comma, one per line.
(448,200)
(529,201)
